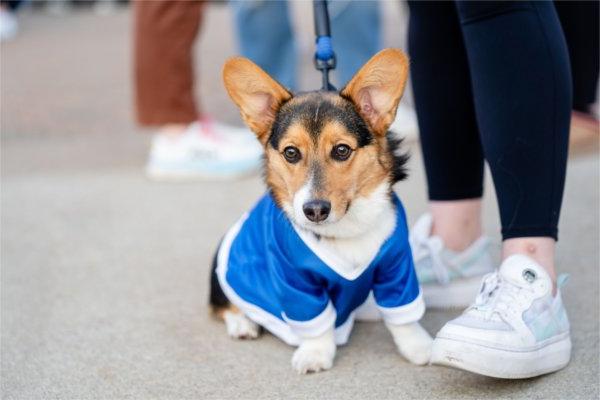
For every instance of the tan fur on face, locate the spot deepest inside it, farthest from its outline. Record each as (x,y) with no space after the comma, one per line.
(281,120)
(284,178)
(340,181)
(358,176)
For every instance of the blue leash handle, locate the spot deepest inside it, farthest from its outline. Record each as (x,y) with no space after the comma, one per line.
(324,48)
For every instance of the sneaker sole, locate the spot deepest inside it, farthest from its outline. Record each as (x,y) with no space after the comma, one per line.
(460,293)
(498,363)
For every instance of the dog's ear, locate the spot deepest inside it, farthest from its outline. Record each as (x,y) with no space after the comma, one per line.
(257,95)
(377,88)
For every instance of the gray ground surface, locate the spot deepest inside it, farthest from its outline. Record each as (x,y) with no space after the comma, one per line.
(104,274)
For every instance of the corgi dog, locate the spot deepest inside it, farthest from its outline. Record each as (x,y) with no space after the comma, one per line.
(328,242)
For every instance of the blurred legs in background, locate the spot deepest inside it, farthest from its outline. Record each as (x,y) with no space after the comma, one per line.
(265,36)
(8,20)
(356,33)
(188,144)
(580,22)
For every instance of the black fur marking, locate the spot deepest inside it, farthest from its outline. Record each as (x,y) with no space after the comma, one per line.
(313,111)
(217,296)
(399,171)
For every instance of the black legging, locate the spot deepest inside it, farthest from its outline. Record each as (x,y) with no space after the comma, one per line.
(492,79)
(580,21)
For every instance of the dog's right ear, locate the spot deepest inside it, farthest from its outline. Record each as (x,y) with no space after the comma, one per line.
(257,95)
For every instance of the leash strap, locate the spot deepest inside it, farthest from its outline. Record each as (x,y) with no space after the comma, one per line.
(324,54)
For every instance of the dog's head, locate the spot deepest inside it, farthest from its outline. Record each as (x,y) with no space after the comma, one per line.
(330,162)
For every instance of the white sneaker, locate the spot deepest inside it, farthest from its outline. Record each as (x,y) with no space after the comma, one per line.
(515,329)
(207,150)
(8,24)
(448,279)
(405,123)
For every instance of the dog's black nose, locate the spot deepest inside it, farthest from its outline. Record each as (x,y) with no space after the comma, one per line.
(317,210)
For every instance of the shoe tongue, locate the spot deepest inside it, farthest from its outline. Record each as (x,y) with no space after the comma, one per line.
(422,228)
(522,270)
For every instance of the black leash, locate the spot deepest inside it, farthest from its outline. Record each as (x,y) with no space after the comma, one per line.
(324,55)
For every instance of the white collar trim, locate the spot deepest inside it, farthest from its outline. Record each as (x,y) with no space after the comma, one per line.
(331,259)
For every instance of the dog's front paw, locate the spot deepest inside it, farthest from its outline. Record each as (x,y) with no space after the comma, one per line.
(413,342)
(417,352)
(240,327)
(312,358)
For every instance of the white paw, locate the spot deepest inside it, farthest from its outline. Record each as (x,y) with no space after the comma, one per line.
(413,342)
(416,353)
(239,326)
(312,359)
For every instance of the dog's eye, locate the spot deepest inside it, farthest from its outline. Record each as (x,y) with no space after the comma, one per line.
(292,154)
(341,152)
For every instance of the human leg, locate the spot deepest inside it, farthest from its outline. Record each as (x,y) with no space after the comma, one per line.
(187,145)
(264,35)
(580,21)
(449,136)
(164,35)
(522,97)
(356,35)
(450,253)
(517,327)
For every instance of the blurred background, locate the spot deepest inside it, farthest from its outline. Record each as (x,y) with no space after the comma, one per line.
(67,77)
(104,272)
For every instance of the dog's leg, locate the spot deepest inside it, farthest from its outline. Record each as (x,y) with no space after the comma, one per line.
(315,354)
(412,341)
(238,325)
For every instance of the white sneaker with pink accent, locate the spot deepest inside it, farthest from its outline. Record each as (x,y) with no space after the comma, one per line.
(205,150)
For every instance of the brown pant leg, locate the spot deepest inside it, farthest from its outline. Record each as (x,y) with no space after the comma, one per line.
(164,36)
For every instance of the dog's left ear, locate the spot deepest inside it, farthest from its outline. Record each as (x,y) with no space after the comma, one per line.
(377,88)
(257,95)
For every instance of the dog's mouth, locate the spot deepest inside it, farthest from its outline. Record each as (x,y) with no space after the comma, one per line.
(325,229)
(357,215)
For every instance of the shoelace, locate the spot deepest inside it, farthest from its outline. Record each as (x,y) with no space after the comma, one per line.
(498,296)
(431,246)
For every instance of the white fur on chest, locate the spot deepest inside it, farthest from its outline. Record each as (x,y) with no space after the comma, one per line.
(349,245)
(361,250)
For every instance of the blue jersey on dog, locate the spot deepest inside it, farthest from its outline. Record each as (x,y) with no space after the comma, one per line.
(283,280)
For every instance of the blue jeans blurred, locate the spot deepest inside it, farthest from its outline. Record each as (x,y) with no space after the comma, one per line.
(265,36)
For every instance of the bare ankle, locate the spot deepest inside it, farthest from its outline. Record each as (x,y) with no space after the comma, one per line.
(540,249)
(457,222)
(172,129)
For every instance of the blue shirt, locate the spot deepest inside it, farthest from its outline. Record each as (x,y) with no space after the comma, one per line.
(280,277)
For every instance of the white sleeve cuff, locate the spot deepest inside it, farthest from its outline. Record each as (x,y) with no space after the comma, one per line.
(316,326)
(404,314)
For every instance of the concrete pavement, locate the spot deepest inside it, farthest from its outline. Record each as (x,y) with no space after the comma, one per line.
(104,274)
